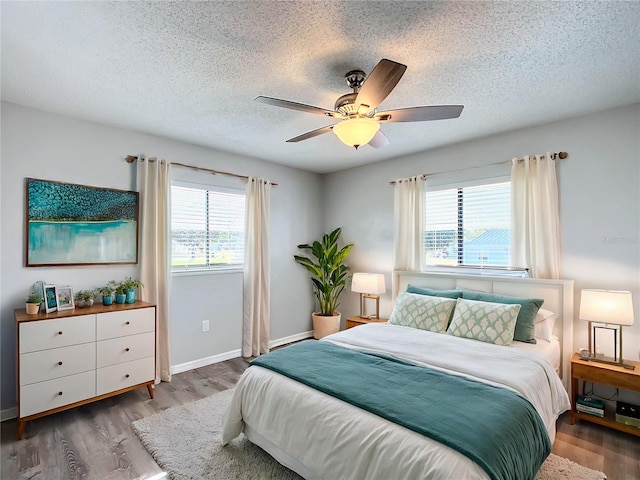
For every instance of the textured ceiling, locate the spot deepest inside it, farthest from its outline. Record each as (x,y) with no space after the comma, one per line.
(190,70)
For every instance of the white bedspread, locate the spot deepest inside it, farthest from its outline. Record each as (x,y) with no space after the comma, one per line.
(320,436)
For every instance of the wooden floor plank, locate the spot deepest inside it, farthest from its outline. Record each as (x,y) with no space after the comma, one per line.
(95,441)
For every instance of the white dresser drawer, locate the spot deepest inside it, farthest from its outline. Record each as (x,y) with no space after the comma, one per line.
(125,349)
(57,362)
(39,397)
(122,324)
(123,375)
(59,332)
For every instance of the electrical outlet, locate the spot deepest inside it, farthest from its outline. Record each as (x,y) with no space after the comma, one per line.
(205,325)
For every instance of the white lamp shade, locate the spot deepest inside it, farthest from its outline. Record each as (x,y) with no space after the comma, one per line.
(371,283)
(356,131)
(607,306)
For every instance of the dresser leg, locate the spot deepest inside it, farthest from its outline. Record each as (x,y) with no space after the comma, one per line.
(21,425)
(150,389)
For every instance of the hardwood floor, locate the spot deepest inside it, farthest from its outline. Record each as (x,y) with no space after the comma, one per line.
(95,441)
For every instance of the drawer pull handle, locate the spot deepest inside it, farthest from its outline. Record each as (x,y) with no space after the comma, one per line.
(60,393)
(126,349)
(126,376)
(60,332)
(59,363)
(126,323)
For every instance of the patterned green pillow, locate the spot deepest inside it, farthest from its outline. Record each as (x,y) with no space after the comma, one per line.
(422,311)
(525,324)
(485,321)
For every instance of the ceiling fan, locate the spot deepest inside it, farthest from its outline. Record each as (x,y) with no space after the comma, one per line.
(359,119)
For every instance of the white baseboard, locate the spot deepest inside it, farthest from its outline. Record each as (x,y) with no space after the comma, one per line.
(8,414)
(290,339)
(203,362)
(221,357)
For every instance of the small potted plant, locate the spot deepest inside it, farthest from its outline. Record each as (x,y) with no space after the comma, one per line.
(107,292)
(84,298)
(120,291)
(130,286)
(33,303)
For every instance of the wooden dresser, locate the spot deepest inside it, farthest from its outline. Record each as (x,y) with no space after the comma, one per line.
(73,357)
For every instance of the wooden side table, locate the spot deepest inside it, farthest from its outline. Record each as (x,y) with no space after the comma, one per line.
(357,320)
(604,374)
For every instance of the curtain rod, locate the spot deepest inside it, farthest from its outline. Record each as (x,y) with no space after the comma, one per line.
(554,156)
(133,158)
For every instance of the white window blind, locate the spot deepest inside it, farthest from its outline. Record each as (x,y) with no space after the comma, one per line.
(468,226)
(207,228)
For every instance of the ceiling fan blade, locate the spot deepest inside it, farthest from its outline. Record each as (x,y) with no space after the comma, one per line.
(297,106)
(379,140)
(311,134)
(378,85)
(420,114)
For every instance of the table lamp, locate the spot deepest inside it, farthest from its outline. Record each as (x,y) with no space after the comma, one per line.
(368,285)
(611,307)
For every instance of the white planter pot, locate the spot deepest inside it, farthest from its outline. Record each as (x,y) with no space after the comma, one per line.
(324,325)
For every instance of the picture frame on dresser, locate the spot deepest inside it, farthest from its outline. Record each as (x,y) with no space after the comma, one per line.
(38,288)
(64,297)
(50,299)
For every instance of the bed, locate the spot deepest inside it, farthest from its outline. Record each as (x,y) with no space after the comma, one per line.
(319,433)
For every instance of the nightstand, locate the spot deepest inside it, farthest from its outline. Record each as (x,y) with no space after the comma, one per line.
(357,320)
(604,374)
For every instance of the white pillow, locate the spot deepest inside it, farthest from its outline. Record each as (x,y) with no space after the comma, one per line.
(544,322)
(422,311)
(485,321)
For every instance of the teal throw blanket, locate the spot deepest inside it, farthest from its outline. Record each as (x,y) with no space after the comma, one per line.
(496,428)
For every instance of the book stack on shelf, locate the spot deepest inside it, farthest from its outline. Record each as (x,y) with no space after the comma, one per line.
(590,406)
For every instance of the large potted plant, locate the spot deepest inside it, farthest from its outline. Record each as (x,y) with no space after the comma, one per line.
(329,276)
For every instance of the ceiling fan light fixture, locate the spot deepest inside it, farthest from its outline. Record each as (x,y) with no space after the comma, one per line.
(356,131)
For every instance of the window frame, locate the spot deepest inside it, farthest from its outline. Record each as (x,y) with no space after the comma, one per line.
(460,266)
(187,270)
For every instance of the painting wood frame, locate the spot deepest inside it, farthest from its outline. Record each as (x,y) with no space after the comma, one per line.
(70,224)
(64,297)
(50,298)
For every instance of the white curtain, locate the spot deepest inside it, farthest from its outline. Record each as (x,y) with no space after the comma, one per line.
(154,187)
(257,286)
(535,218)
(409,223)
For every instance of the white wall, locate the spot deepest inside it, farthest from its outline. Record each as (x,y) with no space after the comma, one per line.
(599,186)
(42,145)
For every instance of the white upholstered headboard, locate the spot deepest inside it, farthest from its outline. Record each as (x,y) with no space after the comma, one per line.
(557,295)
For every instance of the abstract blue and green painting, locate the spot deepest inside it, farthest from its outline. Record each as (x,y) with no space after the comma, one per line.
(71,224)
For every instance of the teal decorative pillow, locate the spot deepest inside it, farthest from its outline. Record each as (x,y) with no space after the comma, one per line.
(525,326)
(484,321)
(422,311)
(434,293)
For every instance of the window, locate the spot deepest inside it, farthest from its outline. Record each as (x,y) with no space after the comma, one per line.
(207,228)
(468,226)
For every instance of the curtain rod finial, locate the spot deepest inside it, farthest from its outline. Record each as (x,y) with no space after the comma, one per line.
(563,155)
(130,158)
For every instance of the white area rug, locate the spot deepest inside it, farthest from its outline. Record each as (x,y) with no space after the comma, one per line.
(185,441)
